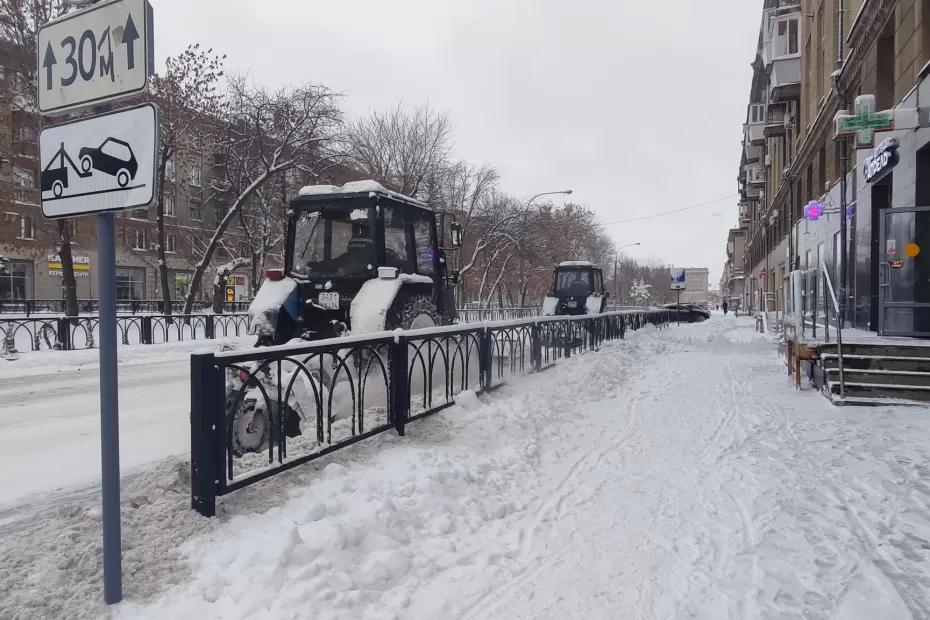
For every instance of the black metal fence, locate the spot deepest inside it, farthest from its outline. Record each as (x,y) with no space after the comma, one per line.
(19,334)
(92,306)
(259,412)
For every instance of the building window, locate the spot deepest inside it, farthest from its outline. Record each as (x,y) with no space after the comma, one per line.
(169,170)
(16,279)
(139,214)
(196,212)
(26,133)
(130,283)
(140,238)
(196,175)
(181,284)
(26,228)
(169,205)
(785,39)
(757,113)
(24,178)
(169,243)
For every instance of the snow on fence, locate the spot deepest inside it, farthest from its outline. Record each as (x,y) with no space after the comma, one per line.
(20,334)
(258,412)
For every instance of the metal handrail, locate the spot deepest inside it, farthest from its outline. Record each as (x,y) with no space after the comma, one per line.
(828,286)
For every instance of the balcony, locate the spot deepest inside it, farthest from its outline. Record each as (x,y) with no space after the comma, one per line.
(785,79)
(775,123)
(754,134)
(755,174)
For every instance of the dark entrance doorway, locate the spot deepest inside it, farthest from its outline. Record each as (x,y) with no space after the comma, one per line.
(881,201)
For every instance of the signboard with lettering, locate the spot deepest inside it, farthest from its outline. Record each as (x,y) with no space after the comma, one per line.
(677,277)
(96,55)
(881,161)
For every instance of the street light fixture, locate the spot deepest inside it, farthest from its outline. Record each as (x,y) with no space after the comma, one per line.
(564,191)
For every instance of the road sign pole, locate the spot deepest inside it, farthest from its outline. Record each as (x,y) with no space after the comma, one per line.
(678,307)
(109,411)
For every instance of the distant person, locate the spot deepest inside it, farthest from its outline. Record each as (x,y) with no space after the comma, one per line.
(725,307)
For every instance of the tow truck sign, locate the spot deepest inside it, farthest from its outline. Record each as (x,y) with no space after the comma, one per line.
(100,163)
(93,56)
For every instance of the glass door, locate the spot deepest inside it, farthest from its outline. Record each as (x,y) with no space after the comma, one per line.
(904,272)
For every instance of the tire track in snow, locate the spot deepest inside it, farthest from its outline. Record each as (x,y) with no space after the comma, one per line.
(531,564)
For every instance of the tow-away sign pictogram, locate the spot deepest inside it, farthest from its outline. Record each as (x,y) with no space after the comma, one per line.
(101,163)
(97,55)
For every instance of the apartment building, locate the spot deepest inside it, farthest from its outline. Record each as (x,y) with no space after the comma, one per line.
(814,58)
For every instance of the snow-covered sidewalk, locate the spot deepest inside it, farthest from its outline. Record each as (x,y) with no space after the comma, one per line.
(674,474)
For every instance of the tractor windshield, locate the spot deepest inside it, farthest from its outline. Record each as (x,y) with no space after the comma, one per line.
(334,241)
(573,283)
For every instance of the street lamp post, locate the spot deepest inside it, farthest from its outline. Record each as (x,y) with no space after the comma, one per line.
(564,191)
(616,270)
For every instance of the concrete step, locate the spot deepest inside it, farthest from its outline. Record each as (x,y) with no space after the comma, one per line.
(862,390)
(880,350)
(880,377)
(877,362)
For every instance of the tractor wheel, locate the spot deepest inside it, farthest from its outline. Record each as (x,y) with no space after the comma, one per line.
(251,429)
(413,312)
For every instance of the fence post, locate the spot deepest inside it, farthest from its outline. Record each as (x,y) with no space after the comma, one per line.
(207,431)
(485,358)
(146,329)
(398,368)
(568,338)
(64,333)
(535,347)
(210,326)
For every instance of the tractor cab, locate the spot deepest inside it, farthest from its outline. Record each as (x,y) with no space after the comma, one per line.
(358,258)
(577,288)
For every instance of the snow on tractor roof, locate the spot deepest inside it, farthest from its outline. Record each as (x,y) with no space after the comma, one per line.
(576,263)
(372,188)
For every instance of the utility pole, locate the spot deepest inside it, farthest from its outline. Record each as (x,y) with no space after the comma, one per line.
(844,165)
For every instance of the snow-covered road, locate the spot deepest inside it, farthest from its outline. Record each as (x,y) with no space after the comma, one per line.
(676,474)
(50,414)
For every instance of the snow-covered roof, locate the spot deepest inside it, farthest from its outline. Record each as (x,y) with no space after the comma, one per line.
(372,188)
(576,263)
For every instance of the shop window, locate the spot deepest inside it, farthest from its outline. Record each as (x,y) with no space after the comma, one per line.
(130,283)
(16,279)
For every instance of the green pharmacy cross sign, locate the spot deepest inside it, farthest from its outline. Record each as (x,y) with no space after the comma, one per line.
(866,122)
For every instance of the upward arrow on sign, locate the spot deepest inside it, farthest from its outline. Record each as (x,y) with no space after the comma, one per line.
(47,63)
(130,34)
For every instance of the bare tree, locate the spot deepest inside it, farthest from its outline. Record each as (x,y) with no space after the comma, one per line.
(188,99)
(263,135)
(19,24)
(402,149)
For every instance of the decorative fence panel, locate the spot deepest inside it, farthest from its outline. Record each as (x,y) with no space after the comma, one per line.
(22,334)
(258,412)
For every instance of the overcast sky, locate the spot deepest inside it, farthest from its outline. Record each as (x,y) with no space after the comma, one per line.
(636,106)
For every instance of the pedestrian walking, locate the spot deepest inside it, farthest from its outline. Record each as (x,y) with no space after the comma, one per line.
(724,307)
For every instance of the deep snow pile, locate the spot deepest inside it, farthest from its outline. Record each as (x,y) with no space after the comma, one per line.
(674,474)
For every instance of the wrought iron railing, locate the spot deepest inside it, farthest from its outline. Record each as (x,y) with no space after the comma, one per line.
(21,334)
(259,412)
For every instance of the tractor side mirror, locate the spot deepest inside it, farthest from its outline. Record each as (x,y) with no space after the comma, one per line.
(455,232)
